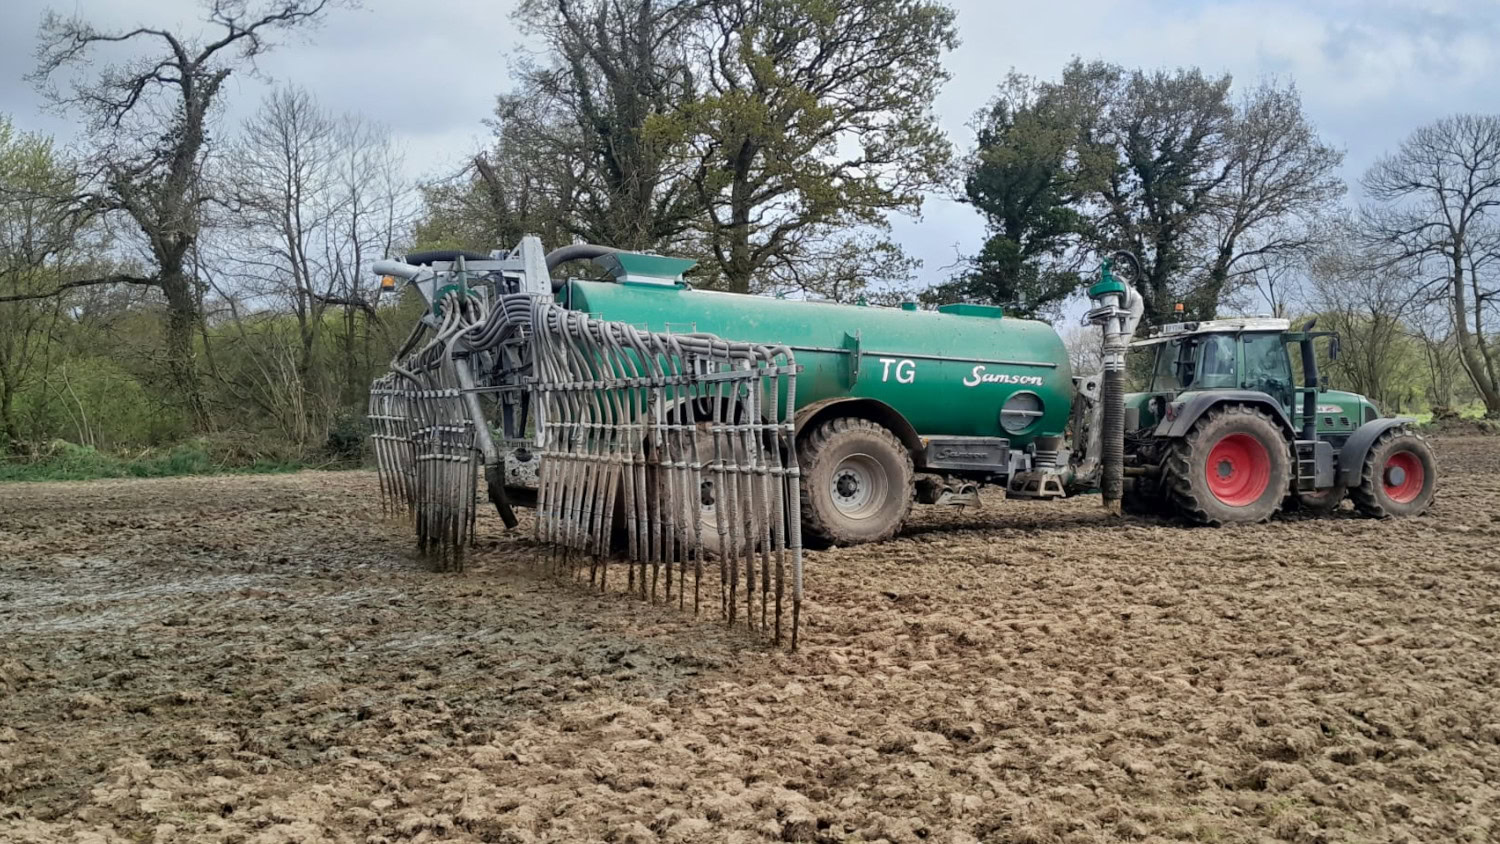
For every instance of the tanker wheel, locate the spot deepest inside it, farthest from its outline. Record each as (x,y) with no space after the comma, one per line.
(1231,467)
(856,483)
(707,505)
(1399,477)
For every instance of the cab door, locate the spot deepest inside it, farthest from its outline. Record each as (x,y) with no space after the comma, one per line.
(1267,368)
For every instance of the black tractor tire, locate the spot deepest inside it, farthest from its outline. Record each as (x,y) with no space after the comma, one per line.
(1144,497)
(1232,467)
(856,483)
(1321,502)
(1382,493)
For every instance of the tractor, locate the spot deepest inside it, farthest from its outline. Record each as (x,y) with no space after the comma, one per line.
(1222,432)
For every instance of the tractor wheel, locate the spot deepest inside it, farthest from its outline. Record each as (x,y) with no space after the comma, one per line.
(856,483)
(1399,476)
(1231,467)
(1322,502)
(1144,497)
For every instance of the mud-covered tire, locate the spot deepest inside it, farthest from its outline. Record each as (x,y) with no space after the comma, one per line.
(856,483)
(1144,497)
(1381,494)
(1232,467)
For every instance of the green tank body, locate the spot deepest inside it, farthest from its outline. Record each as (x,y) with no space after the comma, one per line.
(948,373)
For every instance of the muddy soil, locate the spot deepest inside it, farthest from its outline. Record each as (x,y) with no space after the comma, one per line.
(265,659)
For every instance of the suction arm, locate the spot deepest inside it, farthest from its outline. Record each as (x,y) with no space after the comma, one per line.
(1117,309)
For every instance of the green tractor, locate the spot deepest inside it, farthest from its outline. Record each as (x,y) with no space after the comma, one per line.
(1223,433)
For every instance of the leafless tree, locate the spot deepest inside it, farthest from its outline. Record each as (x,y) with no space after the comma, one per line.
(1369,307)
(149,120)
(313,200)
(1436,219)
(1281,179)
(1085,349)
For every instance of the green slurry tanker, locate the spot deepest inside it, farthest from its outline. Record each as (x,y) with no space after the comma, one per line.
(643,417)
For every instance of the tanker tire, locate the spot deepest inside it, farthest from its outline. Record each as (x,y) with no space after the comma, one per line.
(1187,470)
(1371,497)
(821,454)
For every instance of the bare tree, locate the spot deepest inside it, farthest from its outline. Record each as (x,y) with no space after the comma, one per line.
(149,120)
(1281,179)
(528,182)
(1369,309)
(1437,220)
(1085,349)
(1433,331)
(314,200)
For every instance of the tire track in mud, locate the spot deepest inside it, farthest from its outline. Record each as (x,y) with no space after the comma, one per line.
(262,659)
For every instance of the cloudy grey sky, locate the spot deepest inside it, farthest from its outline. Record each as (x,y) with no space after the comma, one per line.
(1370,70)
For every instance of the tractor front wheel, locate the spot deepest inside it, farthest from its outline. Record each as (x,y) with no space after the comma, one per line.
(856,483)
(1399,477)
(1233,466)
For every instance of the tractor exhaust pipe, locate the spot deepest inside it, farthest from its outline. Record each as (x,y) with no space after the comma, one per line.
(1117,309)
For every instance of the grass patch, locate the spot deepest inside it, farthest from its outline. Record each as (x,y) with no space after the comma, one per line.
(1473,410)
(65,461)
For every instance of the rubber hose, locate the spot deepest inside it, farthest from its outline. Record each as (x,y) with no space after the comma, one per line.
(576,252)
(422,259)
(1113,482)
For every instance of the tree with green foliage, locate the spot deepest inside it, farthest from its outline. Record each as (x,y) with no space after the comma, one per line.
(1207,189)
(816,118)
(1022,177)
(36,235)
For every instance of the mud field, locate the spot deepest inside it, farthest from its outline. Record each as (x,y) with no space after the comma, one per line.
(262,659)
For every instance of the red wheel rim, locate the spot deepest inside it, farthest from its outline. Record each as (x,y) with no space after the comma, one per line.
(1238,470)
(1403,477)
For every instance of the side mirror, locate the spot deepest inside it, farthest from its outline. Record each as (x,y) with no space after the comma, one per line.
(1333,347)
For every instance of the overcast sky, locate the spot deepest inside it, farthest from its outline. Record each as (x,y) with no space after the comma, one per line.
(1369,70)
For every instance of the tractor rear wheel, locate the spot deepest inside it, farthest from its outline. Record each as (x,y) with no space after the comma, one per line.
(1399,477)
(1233,466)
(856,483)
